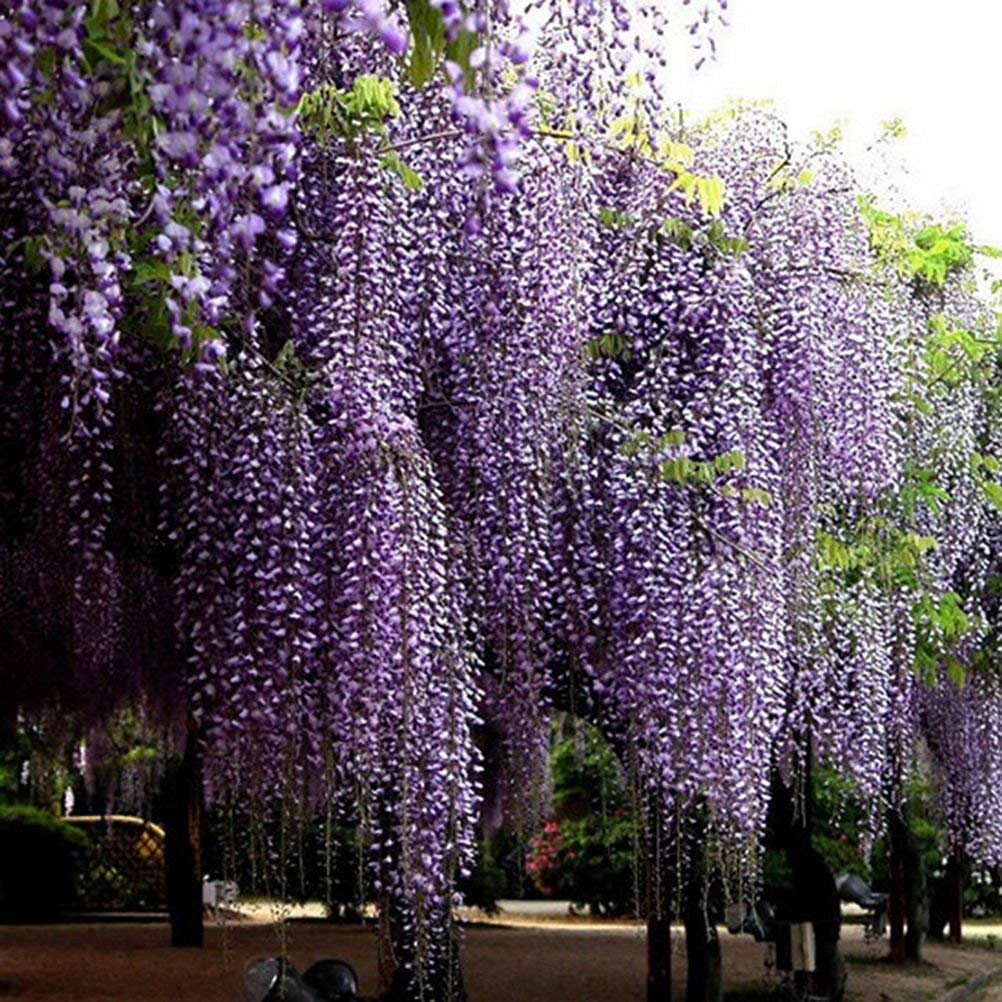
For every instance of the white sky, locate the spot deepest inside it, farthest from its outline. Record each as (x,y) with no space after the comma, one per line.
(936,65)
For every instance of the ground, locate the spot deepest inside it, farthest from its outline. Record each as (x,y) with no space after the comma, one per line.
(546,961)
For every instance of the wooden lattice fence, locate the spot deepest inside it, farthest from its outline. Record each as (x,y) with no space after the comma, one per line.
(124,870)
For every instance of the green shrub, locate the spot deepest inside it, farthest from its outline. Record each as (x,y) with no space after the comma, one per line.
(837,824)
(487,880)
(39,859)
(590,862)
(586,853)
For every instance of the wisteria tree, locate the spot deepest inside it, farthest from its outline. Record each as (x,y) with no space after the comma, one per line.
(373,374)
(237,487)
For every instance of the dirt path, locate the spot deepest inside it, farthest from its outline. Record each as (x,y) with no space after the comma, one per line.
(131,963)
(991,994)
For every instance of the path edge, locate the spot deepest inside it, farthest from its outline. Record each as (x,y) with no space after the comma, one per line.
(970,986)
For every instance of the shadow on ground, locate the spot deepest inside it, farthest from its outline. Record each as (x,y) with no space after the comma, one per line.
(131,963)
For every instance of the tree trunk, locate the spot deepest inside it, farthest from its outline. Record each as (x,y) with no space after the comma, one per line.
(702,955)
(658,899)
(659,958)
(896,901)
(183,824)
(955,895)
(702,944)
(659,882)
(814,897)
(908,911)
(443,985)
(939,908)
(916,898)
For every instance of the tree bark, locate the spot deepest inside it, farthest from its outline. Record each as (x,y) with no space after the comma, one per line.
(896,900)
(702,944)
(658,900)
(939,908)
(814,897)
(955,895)
(659,958)
(908,911)
(183,824)
(702,954)
(916,898)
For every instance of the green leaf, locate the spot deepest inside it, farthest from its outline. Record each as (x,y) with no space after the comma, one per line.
(677,470)
(951,616)
(145,270)
(427,41)
(993,492)
(678,232)
(411,179)
(95,51)
(613,218)
(460,49)
(756,495)
(920,544)
(955,671)
(329,111)
(832,552)
(711,194)
(609,345)
(104,11)
(34,252)
(925,663)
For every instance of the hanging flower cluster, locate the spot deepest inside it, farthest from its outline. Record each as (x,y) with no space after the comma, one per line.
(726,426)
(396,411)
(952,488)
(399,372)
(222,80)
(962,725)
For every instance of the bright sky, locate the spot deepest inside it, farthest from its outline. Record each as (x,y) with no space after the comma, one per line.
(935,65)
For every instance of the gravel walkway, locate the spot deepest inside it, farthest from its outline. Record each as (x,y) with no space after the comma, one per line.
(131,963)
